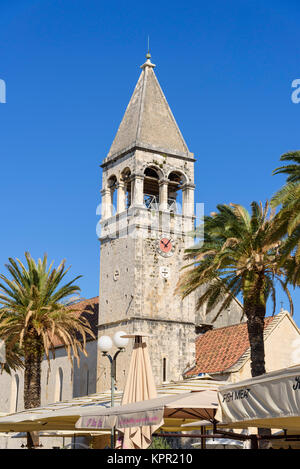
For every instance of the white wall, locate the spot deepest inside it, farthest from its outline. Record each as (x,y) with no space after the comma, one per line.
(74,384)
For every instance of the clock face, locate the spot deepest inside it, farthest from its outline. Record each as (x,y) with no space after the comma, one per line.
(166,246)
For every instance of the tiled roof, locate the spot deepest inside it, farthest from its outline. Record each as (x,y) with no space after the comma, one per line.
(219,349)
(88,309)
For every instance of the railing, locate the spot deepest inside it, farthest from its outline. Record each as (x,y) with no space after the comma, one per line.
(152,203)
(173,206)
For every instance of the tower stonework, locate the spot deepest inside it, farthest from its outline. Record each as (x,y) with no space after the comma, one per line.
(146,221)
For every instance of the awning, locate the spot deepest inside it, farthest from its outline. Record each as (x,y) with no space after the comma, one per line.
(63,415)
(193,405)
(267,401)
(61,434)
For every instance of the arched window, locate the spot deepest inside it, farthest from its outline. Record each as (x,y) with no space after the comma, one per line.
(84,379)
(176,182)
(112,186)
(151,188)
(126,179)
(164,369)
(15,394)
(59,385)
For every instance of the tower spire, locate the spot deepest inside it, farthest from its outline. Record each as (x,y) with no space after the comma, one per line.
(148,121)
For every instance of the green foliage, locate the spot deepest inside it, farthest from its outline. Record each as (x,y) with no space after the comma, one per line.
(238,254)
(35,312)
(288,197)
(292,170)
(159,442)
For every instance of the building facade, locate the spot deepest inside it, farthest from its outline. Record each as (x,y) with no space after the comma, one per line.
(224,353)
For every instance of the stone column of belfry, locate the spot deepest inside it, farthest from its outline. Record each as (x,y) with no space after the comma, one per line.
(164,222)
(163,194)
(188,200)
(188,211)
(121,197)
(106,209)
(138,189)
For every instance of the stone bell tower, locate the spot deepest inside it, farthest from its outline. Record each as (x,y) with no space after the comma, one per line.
(147,216)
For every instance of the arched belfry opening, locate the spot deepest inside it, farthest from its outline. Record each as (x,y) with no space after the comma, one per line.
(176,181)
(112,203)
(59,385)
(151,188)
(126,188)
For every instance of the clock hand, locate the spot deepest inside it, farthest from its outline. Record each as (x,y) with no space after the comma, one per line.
(166,245)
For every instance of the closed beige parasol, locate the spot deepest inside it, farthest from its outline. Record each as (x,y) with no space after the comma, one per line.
(140,386)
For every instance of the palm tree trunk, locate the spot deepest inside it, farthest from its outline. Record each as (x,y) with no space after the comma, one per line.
(32,381)
(255,326)
(255,312)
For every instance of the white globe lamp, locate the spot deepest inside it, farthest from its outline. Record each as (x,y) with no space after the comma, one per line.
(120,341)
(104,343)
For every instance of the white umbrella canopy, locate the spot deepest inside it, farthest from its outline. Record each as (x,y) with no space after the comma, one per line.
(271,400)
(61,434)
(59,416)
(64,415)
(188,406)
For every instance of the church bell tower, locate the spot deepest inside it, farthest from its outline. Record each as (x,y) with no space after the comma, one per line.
(146,221)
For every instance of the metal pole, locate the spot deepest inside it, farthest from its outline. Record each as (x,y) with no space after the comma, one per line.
(203,442)
(112,393)
(113,382)
(112,388)
(112,401)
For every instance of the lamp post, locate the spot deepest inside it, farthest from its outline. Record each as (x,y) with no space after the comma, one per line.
(105,343)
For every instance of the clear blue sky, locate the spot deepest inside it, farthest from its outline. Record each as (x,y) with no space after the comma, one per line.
(70,67)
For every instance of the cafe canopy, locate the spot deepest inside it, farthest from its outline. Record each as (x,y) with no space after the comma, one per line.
(64,415)
(271,400)
(192,405)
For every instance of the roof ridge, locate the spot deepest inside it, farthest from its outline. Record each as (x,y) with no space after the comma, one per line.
(87,299)
(242,323)
(231,347)
(141,107)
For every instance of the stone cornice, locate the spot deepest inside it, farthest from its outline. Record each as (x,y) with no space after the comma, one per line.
(143,146)
(145,318)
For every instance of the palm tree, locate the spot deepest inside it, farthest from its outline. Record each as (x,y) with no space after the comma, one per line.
(289,199)
(13,356)
(293,170)
(238,255)
(34,313)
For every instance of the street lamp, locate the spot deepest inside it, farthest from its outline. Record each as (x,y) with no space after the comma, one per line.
(105,344)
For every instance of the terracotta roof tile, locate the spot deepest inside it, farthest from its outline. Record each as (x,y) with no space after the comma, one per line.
(219,349)
(89,309)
